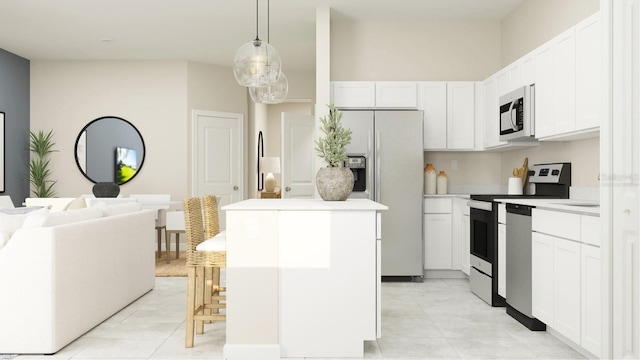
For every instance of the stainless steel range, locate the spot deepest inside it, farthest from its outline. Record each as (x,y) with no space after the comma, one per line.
(550,181)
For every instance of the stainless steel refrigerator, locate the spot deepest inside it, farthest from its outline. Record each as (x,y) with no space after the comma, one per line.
(386,147)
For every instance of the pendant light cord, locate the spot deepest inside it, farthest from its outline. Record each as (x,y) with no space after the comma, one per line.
(268,22)
(257,24)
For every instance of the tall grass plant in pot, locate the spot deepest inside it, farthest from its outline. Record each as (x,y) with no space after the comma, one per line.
(334,182)
(41,146)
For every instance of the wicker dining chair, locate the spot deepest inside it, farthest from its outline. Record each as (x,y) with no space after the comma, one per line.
(198,309)
(211,229)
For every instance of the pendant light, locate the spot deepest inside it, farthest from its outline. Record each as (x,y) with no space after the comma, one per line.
(256,63)
(276,92)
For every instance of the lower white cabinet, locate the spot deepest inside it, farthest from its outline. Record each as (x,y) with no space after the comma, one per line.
(502,260)
(542,277)
(591,305)
(437,241)
(446,234)
(566,283)
(566,288)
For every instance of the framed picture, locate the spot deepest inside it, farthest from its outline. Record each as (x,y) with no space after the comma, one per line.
(1,152)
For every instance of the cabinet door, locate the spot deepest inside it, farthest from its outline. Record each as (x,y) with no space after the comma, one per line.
(502,260)
(528,69)
(544,90)
(437,241)
(460,115)
(588,82)
(491,119)
(456,233)
(503,82)
(591,299)
(433,101)
(354,94)
(466,243)
(396,94)
(542,277)
(566,288)
(564,82)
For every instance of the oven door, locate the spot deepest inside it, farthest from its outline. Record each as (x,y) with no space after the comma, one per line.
(483,230)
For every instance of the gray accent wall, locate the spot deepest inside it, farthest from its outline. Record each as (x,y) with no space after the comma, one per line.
(14,102)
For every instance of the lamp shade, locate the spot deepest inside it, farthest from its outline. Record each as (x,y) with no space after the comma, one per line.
(256,63)
(270,165)
(271,94)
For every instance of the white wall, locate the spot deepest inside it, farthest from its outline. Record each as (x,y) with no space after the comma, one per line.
(535,22)
(66,95)
(435,50)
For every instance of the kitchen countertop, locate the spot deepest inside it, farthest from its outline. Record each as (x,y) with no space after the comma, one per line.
(565,205)
(463,196)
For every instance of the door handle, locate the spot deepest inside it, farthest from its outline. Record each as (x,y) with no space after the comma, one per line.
(235,188)
(287,189)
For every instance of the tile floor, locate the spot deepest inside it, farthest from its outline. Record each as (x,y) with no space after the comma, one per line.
(439,318)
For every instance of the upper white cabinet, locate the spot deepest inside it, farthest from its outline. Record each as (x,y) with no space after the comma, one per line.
(354,94)
(397,94)
(567,78)
(432,99)
(491,138)
(588,80)
(449,114)
(374,94)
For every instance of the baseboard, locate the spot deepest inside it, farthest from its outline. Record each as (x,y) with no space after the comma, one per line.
(444,274)
(240,351)
(584,352)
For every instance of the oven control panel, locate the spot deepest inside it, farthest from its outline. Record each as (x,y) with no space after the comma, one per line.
(556,173)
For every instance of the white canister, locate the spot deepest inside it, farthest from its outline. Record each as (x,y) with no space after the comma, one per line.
(515,186)
(429,179)
(441,183)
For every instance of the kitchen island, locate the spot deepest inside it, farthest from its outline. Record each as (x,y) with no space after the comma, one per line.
(303,277)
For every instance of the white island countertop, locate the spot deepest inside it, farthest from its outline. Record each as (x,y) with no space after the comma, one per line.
(584,207)
(305,205)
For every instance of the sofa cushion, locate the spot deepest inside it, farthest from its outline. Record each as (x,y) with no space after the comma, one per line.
(77,203)
(9,223)
(117,209)
(62,217)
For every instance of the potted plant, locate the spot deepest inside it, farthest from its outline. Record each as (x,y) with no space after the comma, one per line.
(334,182)
(41,145)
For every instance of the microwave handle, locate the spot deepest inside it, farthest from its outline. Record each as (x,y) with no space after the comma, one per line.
(513,124)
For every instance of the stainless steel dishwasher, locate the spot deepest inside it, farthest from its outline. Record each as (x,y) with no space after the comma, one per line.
(518,266)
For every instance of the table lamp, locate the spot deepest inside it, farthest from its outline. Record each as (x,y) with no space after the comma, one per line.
(270,165)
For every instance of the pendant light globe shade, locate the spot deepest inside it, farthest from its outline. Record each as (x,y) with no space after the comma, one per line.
(256,63)
(271,94)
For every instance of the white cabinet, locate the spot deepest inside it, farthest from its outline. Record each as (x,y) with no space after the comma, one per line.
(542,277)
(490,120)
(588,74)
(396,94)
(564,82)
(354,94)
(460,115)
(502,250)
(449,114)
(372,94)
(566,284)
(568,83)
(432,97)
(544,90)
(437,241)
(566,288)
(591,305)
(466,242)
(460,256)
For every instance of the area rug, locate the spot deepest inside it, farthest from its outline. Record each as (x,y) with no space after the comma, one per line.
(177,267)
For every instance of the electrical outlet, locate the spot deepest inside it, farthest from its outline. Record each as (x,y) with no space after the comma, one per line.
(454,164)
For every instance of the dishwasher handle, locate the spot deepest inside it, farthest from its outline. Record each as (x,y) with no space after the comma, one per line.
(519,209)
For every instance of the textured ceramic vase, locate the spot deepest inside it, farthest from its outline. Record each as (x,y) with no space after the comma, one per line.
(334,183)
(429,179)
(441,183)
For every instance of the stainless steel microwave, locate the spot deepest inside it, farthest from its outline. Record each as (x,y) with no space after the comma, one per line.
(517,115)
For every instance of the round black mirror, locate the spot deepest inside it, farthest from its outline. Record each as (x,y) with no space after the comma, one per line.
(110,149)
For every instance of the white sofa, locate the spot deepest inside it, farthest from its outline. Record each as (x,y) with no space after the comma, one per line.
(57,282)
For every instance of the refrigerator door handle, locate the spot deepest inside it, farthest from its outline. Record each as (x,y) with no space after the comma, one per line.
(377,157)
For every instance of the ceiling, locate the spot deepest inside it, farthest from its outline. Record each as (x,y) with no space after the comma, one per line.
(208,31)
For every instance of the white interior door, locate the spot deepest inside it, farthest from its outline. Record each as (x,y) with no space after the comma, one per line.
(298,171)
(217,139)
